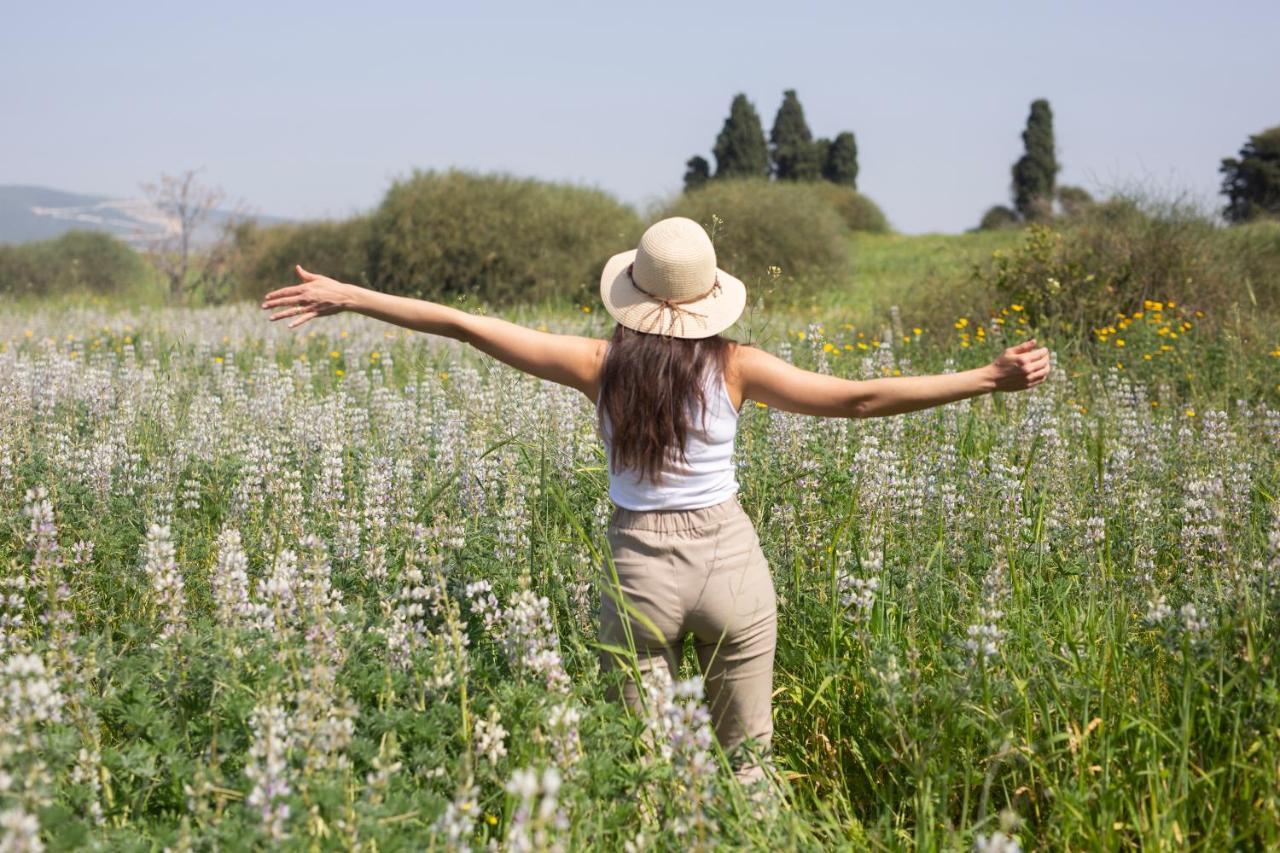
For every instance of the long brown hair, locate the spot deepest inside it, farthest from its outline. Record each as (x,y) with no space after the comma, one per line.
(646,384)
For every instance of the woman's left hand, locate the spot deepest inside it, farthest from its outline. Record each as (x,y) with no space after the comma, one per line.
(316,296)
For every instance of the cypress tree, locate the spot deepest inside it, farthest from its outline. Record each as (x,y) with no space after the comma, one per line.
(840,165)
(1036,170)
(1252,183)
(791,143)
(697,172)
(740,149)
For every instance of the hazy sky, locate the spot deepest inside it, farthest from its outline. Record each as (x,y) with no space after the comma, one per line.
(311,109)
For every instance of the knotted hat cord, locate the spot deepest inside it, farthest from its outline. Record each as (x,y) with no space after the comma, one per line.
(672,305)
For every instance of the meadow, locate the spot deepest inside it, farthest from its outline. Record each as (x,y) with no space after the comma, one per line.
(336,588)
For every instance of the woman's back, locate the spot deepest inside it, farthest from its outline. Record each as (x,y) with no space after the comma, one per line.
(705,476)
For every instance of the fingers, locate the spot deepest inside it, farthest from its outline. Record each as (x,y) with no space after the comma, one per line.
(1035,357)
(1025,346)
(288,312)
(282,293)
(304,275)
(302,318)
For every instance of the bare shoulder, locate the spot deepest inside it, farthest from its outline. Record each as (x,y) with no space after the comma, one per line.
(746,361)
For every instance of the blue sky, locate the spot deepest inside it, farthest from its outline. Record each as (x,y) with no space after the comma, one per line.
(312,109)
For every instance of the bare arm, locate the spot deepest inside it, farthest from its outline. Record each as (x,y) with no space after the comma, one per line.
(567,359)
(777,383)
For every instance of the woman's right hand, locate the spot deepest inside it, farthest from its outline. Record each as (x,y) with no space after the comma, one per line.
(1020,367)
(316,296)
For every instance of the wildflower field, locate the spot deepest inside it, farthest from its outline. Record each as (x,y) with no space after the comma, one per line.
(336,588)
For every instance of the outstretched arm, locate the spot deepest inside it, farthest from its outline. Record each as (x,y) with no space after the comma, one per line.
(567,359)
(782,385)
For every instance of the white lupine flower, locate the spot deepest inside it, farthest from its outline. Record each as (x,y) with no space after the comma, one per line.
(19,832)
(268,768)
(490,737)
(167,588)
(1158,610)
(984,635)
(562,732)
(535,828)
(458,821)
(996,842)
(1192,622)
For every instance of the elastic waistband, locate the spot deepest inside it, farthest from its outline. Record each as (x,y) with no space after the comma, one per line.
(675,520)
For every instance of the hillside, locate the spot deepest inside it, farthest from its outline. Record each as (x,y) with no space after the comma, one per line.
(30,213)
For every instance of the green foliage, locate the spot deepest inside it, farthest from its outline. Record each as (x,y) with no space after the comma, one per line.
(1252,182)
(858,212)
(444,235)
(997,217)
(697,172)
(840,161)
(1100,725)
(1118,255)
(791,146)
(1036,170)
(770,223)
(1074,200)
(740,149)
(264,258)
(78,261)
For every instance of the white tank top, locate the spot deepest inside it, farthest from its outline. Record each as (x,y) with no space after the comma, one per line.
(707,478)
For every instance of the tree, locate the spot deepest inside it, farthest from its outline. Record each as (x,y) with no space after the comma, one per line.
(188,205)
(795,157)
(740,150)
(1036,170)
(697,172)
(1252,182)
(840,165)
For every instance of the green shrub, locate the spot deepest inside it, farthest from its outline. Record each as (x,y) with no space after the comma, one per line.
(76,262)
(495,237)
(761,223)
(263,258)
(858,212)
(1115,256)
(999,217)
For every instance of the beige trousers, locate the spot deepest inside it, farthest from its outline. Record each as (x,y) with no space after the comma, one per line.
(702,572)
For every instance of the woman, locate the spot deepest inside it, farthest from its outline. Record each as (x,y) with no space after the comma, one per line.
(668,389)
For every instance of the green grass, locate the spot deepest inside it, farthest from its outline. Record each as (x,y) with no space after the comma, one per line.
(1069,510)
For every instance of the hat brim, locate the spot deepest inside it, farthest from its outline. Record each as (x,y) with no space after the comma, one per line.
(703,318)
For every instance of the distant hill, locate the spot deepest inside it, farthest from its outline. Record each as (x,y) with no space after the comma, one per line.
(38,213)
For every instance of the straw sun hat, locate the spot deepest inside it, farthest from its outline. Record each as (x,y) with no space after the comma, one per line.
(670,284)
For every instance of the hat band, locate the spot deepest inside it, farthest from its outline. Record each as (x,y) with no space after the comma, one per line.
(672,305)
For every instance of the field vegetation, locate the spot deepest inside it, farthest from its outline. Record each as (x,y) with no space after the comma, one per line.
(337,587)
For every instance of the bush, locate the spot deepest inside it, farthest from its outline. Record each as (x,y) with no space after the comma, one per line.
(263,258)
(1074,200)
(78,261)
(858,212)
(1115,256)
(999,217)
(763,223)
(495,237)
